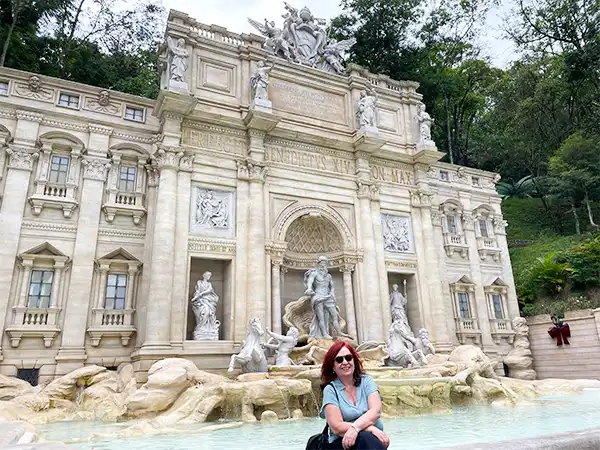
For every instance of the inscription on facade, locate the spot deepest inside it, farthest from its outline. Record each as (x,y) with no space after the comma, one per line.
(392,175)
(309,160)
(307,101)
(214,141)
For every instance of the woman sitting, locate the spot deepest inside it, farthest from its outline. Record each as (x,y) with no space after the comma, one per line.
(351,402)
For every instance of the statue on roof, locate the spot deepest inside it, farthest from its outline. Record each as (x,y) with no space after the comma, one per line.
(303,40)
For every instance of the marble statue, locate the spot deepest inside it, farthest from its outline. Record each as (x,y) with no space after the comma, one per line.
(303,40)
(423,343)
(211,211)
(400,350)
(398,308)
(204,304)
(283,345)
(319,286)
(366,109)
(178,56)
(395,233)
(425,122)
(251,357)
(260,81)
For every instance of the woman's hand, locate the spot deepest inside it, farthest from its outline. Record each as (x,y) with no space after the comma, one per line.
(349,438)
(383,438)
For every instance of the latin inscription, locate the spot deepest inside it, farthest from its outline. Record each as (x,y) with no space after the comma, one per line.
(392,175)
(309,160)
(307,101)
(214,141)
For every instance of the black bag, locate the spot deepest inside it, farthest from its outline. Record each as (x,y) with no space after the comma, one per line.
(318,441)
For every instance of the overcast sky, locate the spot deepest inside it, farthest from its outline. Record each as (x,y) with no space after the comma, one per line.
(233,14)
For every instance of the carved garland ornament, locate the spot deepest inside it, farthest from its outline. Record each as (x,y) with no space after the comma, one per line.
(95,169)
(21,159)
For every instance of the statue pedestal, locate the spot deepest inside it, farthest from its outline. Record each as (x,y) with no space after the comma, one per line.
(206,335)
(261,105)
(178,86)
(426,145)
(367,129)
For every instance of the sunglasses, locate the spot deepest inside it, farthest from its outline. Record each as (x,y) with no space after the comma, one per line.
(340,359)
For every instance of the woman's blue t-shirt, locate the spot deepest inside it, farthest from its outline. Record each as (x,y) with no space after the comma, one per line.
(349,411)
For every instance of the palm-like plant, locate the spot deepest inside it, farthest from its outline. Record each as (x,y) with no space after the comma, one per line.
(525,187)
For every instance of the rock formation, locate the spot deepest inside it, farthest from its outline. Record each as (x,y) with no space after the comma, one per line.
(519,360)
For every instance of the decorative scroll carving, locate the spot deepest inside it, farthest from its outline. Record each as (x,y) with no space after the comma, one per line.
(252,171)
(368,190)
(21,158)
(34,89)
(167,158)
(468,221)
(153,175)
(95,169)
(102,104)
(420,198)
(187,163)
(304,40)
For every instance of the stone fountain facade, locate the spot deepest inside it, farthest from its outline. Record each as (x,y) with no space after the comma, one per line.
(251,163)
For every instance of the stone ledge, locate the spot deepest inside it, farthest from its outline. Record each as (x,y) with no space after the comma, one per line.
(588,439)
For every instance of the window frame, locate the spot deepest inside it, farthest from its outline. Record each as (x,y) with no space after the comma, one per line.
(453,230)
(69,98)
(444,175)
(133,182)
(484,222)
(51,170)
(500,298)
(133,117)
(7,83)
(468,304)
(39,302)
(114,297)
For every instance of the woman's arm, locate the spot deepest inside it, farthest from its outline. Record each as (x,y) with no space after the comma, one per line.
(372,415)
(334,418)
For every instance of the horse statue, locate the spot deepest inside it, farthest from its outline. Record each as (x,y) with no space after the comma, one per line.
(400,348)
(251,357)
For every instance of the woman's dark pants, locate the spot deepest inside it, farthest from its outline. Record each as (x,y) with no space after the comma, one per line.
(364,441)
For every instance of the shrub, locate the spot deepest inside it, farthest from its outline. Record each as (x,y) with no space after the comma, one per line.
(559,307)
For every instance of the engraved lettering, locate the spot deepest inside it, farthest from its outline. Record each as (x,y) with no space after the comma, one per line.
(214,141)
(395,175)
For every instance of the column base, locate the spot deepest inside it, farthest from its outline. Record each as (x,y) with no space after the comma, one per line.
(69,359)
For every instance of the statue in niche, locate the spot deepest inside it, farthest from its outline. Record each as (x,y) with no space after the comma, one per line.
(366,112)
(400,348)
(251,357)
(319,286)
(204,304)
(395,234)
(283,345)
(260,81)
(398,307)
(210,211)
(178,55)
(423,343)
(425,122)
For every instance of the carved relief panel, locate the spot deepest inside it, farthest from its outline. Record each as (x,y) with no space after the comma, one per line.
(397,234)
(212,212)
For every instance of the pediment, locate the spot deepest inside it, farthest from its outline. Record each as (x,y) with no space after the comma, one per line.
(120,254)
(45,249)
(464,280)
(495,281)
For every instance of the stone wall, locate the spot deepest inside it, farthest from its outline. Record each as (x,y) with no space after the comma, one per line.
(580,359)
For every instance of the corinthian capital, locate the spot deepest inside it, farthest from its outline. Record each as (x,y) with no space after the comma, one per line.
(21,158)
(167,158)
(368,190)
(187,163)
(252,171)
(95,168)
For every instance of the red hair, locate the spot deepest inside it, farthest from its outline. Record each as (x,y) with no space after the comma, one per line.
(327,373)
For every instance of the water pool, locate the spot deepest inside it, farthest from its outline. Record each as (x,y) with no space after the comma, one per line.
(464,425)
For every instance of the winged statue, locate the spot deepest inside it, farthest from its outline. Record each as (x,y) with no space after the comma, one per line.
(276,42)
(333,51)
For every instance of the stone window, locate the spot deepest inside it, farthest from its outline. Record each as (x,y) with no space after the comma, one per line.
(114,303)
(3,87)
(444,175)
(127,177)
(134,114)
(487,243)
(126,191)
(464,309)
(452,229)
(40,288)
(483,228)
(496,291)
(497,306)
(475,181)
(68,100)
(116,288)
(451,222)
(32,376)
(59,168)
(57,174)
(37,300)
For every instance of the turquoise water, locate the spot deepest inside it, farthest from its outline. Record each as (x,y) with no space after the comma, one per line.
(464,425)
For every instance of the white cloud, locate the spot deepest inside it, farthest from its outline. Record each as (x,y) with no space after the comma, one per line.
(233,15)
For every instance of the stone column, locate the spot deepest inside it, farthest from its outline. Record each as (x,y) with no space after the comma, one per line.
(27,266)
(384,290)
(158,306)
(71,354)
(276,295)
(103,271)
(241,253)
(22,154)
(507,272)
(56,280)
(180,268)
(257,299)
(370,303)
(481,312)
(349,298)
(131,274)
(140,307)
(434,310)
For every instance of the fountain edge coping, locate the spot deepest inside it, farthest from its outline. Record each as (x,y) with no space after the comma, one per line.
(586,439)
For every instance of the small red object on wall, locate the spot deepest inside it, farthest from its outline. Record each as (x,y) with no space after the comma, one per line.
(560,331)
